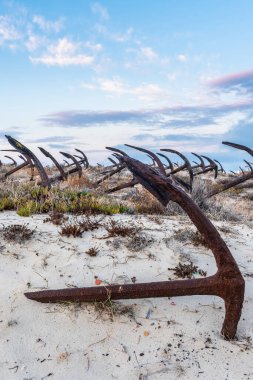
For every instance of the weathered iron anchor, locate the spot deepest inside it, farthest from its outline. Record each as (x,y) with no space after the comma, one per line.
(227,283)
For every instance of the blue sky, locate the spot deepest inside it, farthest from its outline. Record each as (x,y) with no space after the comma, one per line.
(160,74)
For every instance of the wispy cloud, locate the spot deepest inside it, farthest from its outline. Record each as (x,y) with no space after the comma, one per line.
(58,146)
(116,86)
(182,58)
(52,138)
(149,53)
(34,41)
(99,9)
(47,25)
(123,36)
(242,81)
(205,116)
(118,36)
(14,131)
(8,32)
(95,47)
(63,53)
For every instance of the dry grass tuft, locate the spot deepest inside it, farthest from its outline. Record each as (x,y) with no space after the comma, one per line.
(139,242)
(187,270)
(198,239)
(199,191)
(71,229)
(89,224)
(79,183)
(17,232)
(110,309)
(116,228)
(77,227)
(56,218)
(146,203)
(92,251)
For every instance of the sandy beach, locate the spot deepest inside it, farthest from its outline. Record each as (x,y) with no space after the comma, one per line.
(135,339)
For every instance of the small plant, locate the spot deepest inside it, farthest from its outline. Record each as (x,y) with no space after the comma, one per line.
(112,309)
(24,211)
(187,234)
(187,270)
(92,251)
(71,229)
(198,239)
(56,218)
(89,224)
(6,203)
(139,242)
(17,232)
(27,199)
(116,228)
(199,192)
(76,228)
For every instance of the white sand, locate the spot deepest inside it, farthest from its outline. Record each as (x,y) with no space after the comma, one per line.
(165,339)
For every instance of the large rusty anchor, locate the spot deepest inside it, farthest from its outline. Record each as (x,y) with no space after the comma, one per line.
(227,283)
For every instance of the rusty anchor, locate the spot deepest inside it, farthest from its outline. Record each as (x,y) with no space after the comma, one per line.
(227,283)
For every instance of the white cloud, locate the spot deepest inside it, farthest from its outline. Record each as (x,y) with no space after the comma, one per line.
(149,92)
(34,42)
(46,25)
(143,92)
(114,85)
(94,47)
(172,76)
(143,55)
(114,36)
(182,57)
(7,31)
(63,53)
(124,36)
(100,10)
(149,53)
(88,86)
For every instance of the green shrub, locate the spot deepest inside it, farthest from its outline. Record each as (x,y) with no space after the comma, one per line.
(27,200)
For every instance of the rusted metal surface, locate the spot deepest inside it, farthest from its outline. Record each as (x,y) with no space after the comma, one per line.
(14,170)
(125,185)
(249,165)
(221,167)
(28,153)
(30,163)
(227,283)
(242,171)
(170,164)
(110,174)
(84,157)
(113,162)
(17,167)
(58,166)
(239,146)
(81,160)
(186,165)
(77,164)
(14,162)
(238,179)
(151,154)
(201,164)
(211,167)
(133,182)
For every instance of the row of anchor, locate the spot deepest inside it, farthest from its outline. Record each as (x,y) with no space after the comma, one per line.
(160,161)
